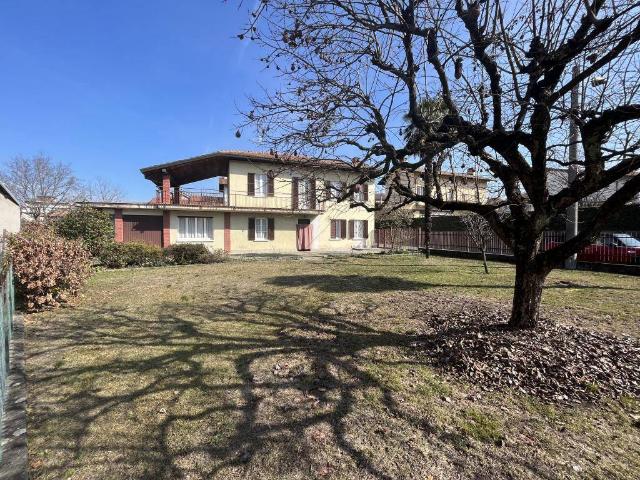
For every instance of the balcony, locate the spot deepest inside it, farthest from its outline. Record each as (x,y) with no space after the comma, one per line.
(216,199)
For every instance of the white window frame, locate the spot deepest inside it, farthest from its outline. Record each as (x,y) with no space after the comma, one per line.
(304,186)
(260,184)
(419,189)
(358,195)
(195,229)
(338,230)
(262,229)
(355,229)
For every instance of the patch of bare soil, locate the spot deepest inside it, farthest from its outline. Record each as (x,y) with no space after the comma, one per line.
(554,362)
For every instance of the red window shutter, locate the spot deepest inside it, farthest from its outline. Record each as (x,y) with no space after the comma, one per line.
(270,177)
(251,184)
(312,193)
(343,227)
(365,191)
(252,228)
(333,228)
(350,229)
(365,227)
(270,228)
(294,193)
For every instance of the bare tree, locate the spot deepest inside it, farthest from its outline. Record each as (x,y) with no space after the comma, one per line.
(397,221)
(480,232)
(351,71)
(102,190)
(432,109)
(41,184)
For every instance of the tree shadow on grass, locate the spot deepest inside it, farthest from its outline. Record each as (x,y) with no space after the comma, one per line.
(256,386)
(378,283)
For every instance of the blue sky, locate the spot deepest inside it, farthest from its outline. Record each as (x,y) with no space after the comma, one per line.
(113,86)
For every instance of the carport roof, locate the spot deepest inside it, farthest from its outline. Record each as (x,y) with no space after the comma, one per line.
(215,164)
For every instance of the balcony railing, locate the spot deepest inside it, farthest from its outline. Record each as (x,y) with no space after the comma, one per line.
(215,198)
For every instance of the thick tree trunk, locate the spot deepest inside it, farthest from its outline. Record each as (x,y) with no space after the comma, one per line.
(527,295)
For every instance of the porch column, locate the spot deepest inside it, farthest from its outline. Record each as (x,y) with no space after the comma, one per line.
(118,225)
(166,228)
(166,188)
(227,232)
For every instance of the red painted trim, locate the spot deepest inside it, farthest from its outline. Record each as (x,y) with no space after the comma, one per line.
(166,228)
(227,232)
(118,225)
(166,188)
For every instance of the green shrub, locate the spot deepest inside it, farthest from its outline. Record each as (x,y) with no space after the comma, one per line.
(48,269)
(191,253)
(94,227)
(121,255)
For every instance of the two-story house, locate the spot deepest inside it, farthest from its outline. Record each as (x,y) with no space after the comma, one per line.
(464,187)
(262,204)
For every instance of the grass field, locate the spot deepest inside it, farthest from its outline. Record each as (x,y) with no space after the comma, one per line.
(304,369)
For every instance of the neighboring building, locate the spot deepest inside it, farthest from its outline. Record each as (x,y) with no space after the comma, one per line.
(44,208)
(263,204)
(9,211)
(557,180)
(463,187)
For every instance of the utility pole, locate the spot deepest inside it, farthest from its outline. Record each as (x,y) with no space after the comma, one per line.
(572,172)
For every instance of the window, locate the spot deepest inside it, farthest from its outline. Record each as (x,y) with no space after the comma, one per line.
(261,185)
(195,228)
(358,194)
(303,194)
(262,229)
(358,229)
(420,190)
(335,189)
(338,229)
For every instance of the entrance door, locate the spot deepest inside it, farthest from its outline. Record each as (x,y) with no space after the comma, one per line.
(303,235)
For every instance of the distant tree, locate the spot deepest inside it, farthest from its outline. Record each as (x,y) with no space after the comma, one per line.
(102,190)
(396,221)
(433,110)
(480,232)
(41,184)
(351,71)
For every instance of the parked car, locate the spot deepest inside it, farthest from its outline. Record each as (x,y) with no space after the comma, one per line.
(612,248)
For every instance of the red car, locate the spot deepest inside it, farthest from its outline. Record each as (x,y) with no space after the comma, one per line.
(612,248)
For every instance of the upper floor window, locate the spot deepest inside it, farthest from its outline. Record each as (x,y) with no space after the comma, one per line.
(419,189)
(361,193)
(261,185)
(195,228)
(335,189)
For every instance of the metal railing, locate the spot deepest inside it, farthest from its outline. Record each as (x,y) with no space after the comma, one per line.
(7,305)
(610,247)
(241,200)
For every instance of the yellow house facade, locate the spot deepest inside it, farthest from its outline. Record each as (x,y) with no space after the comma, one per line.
(464,187)
(262,204)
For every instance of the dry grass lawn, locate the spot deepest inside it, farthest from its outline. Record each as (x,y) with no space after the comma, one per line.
(295,369)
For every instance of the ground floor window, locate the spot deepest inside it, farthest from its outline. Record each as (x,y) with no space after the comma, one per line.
(262,229)
(338,229)
(195,228)
(358,229)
